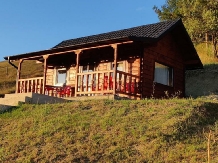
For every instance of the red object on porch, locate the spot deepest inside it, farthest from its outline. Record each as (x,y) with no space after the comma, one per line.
(105,82)
(67,91)
(64,91)
(111,83)
(130,87)
(108,83)
(49,90)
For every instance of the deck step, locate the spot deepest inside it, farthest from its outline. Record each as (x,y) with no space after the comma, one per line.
(18,95)
(11,100)
(7,103)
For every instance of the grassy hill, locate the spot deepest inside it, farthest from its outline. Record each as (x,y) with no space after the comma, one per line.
(173,130)
(203,82)
(8,74)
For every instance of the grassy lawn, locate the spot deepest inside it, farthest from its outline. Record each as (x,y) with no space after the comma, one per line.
(172,130)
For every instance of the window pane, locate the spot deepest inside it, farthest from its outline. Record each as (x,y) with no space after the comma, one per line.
(163,74)
(62,76)
(120,66)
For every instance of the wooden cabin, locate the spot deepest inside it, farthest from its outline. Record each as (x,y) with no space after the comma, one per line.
(139,62)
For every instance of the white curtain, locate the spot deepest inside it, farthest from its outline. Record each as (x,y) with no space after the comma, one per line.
(161,74)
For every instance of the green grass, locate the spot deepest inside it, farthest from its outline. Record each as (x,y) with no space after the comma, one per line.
(206,53)
(161,131)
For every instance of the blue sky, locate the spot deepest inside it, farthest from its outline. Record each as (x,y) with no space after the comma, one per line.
(33,25)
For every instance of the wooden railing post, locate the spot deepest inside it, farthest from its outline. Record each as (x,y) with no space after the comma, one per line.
(45,72)
(114,46)
(18,75)
(77,52)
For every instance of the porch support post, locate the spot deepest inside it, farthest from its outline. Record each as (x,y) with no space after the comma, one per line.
(77,52)
(114,46)
(45,72)
(18,75)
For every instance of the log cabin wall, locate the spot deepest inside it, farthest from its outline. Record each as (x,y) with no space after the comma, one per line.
(71,76)
(103,66)
(133,66)
(50,75)
(164,52)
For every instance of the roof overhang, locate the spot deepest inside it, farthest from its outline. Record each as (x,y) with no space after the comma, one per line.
(69,49)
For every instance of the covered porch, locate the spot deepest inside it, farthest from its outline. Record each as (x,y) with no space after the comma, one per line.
(89,71)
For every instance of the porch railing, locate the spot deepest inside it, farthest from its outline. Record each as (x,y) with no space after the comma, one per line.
(88,83)
(98,82)
(34,85)
(128,84)
(101,82)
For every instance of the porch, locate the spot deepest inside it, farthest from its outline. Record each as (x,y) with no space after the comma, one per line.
(87,84)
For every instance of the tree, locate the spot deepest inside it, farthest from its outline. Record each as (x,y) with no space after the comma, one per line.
(168,11)
(200,17)
(210,20)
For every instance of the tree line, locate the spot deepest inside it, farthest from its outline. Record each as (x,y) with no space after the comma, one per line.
(200,18)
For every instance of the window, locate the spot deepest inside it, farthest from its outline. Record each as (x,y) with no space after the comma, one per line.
(120,66)
(163,74)
(61,77)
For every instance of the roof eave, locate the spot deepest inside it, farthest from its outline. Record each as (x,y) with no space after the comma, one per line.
(39,54)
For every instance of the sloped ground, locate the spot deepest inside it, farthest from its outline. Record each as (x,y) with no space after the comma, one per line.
(173,130)
(8,74)
(202,82)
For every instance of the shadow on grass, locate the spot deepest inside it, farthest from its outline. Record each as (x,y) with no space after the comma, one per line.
(7,108)
(202,82)
(202,119)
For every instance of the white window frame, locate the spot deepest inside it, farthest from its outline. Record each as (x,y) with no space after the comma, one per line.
(56,76)
(163,74)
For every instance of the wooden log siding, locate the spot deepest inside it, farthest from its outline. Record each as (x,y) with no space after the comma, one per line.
(134,66)
(71,76)
(167,55)
(50,76)
(34,85)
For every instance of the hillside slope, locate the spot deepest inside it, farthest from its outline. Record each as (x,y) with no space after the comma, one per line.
(202,82)
(8,74)
(111,131)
